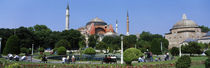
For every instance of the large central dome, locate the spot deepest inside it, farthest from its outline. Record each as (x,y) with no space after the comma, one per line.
(97,21)
(185,23)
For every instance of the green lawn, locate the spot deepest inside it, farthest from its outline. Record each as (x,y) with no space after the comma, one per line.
(194,59)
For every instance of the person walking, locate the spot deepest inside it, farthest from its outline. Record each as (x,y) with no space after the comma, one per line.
(73,59)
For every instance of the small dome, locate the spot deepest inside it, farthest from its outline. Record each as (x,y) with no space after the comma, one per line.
(185,23)
(97,21)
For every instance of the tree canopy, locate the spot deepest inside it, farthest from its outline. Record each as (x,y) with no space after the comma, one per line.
(12,45)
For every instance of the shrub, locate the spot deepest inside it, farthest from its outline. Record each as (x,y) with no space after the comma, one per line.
(24,50)
(12,45)
(15,65)
(41,49)
(174,51)
(89,51)
(131,54)
(207,53)
(207,63)
(183,62)
(61,50)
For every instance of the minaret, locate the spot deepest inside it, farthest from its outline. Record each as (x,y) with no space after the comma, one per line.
(127,24)
(116,27)
(67,17)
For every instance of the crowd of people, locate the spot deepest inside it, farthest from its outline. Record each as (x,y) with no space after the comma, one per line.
(68,60)
(148,57)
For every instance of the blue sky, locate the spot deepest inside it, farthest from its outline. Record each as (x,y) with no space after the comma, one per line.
(156,16)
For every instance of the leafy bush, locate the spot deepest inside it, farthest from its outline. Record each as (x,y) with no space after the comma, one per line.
(24,50)
(89,51)
(207,63)
(41,49)
(207,53)
(12,45)
(61,50)
(174,51)
(183,62)
(15,65)
(131,54)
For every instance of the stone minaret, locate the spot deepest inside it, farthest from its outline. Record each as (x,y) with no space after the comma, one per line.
(67,17)
(127,24)
(116,27)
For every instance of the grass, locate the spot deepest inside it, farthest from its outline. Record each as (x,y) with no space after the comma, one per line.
(194,59)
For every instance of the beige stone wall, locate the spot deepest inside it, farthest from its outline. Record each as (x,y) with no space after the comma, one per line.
(176,37)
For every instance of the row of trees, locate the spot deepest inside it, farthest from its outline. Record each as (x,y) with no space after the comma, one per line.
(39,36)
(190,48)
(42,36)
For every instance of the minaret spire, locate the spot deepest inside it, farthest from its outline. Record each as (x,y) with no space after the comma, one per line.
(67,16)
(184,16)
(116,26)
(127,24)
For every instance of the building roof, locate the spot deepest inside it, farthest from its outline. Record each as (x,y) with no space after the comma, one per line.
(190,40)
(97,21)
(185,23)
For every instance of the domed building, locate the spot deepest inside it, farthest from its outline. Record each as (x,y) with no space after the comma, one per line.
(183,30)
(96,26)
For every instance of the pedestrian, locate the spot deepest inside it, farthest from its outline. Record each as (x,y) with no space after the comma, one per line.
(73,59)
(10,56)
(63,60)
(16,58)
(44,59)
(151,58)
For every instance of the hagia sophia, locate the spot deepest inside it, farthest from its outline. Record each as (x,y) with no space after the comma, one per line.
(181,32)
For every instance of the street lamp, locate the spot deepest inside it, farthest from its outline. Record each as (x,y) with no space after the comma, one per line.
(32,51)
(121,49)
(180,50)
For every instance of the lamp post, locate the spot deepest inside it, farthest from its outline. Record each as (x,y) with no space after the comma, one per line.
(161,47)
(121,49)
(180,50)
(32,51)
(0,47)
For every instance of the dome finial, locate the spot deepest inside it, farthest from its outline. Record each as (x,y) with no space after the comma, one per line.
(184,16)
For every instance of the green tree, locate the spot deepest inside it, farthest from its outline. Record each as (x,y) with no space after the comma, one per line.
(5,34)
(174,51)
(192,48)
(24,50)
(41,49)
(63,43)
(101,46)
(12,45)
(26,37)
(131,54)
(129,41)
(92,40)
(204,28)
(73,36)
(82,44)
(156,46)
(61,50)
(41,37)
(143,45)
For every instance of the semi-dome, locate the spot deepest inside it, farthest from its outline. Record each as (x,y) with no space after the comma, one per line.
(97,21)
(185,23)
